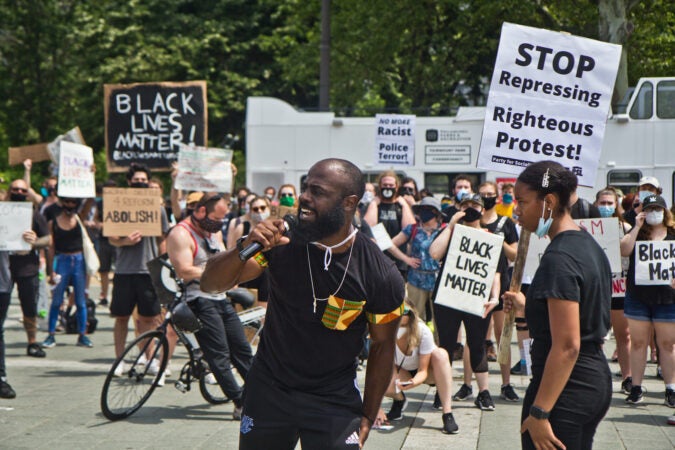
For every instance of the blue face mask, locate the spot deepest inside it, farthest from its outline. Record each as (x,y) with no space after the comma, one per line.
(461,194)
(644,194)
(606,211)
(544,224)
(507,199)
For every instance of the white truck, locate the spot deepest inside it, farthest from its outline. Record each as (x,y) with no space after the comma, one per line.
(282,143)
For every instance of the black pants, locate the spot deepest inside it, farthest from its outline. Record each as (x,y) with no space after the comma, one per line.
(224,343)
(448,321)
(581,405)
(4,307)
(275,416)
(27,288)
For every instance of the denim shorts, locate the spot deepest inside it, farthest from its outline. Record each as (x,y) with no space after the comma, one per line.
(638,310)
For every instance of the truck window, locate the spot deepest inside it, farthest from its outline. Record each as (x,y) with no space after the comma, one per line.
(665,99)
(626,180)
(643,106)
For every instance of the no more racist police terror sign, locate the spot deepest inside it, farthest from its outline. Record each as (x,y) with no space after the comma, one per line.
(395,139)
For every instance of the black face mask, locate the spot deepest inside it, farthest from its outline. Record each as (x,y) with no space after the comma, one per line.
(471,215)
(70,210)
(139,185)
(209,225)
(17,197)
(489,202)
(387,193)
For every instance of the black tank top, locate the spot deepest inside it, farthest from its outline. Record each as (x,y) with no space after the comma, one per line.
(67,241)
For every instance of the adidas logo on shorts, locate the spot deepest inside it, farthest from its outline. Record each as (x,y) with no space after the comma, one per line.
(353,439)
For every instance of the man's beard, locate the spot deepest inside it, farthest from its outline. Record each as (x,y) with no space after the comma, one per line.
(323,226)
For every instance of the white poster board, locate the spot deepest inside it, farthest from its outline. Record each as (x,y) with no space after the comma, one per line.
(469,270)
(15,219)
(395,139)
(618,285)
(382,238)
(654,262)
(549,99)
(74,135)
(204,169)
(76,178)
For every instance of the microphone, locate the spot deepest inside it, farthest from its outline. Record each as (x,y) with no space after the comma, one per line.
(290,221)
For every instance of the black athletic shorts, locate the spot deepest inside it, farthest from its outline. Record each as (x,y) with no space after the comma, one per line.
(130,290)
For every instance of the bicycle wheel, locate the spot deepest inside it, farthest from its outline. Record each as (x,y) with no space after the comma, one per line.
(124,395)
(211,390)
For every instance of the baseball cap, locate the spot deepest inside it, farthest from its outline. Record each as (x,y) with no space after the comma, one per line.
(654,200)
(194,197)
(473,198)
(650,180)
(431,202)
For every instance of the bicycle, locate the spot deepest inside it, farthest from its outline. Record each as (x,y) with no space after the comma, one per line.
(144,360)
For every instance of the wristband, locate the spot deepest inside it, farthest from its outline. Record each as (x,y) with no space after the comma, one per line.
(539,413)
(260,259)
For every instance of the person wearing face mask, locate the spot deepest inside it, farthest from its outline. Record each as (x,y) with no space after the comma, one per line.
(270,192)
(392,211)
(368,196)
(647,186)
(190,244)
(567,312)
(461,187)
(287,195)
(48,191)
(408,191)
(132,285)
(650,307)
(505,208)
(449,320)
(23,269)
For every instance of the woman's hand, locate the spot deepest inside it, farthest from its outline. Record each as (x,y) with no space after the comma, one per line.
(489,306)
(513,300)
(456,218)
(640,219)
(413,262)
(541,433)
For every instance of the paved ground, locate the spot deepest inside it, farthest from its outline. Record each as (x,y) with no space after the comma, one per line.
(57,407)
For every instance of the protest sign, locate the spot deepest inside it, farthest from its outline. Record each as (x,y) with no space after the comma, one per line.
(15,219)
(76,178)
(654,262)
(204,169)
(126,210)
(147,122)
(280,211)
(469,269)
(549,98)
(395,139)
(36,153)
(535,251)
(618,285)
(53,148)
(382,238)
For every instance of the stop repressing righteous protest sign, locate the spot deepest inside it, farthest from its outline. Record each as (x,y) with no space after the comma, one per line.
(549,99)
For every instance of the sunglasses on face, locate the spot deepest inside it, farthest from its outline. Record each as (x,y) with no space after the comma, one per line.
(286,194)
(406,191)
(21,190)
(259,208)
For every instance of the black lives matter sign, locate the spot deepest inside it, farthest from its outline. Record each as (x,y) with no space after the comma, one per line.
(147,122)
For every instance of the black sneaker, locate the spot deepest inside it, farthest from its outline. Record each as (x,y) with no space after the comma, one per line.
(397,408)
(516,369)
(103,302)
(484,401)
(635,395)
(35,350)
(449,424)
(626,385)
(509,394)
(437,402)
(465,392)
(6,390)
(670,398)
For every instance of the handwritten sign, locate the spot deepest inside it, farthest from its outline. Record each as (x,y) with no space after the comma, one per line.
(382,238)
(126,210)
(147,122)
(654,262)
(204,169)
(36,153)
(15,219)
(469,270)
(549,99)
(618,285)
(395,139)
(76,180)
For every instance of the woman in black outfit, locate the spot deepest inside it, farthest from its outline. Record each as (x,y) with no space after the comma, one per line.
(567,310)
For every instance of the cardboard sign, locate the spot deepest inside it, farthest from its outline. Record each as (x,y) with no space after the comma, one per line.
(126,210)
(469,269)
(204,169)
(395,139)
(279,212)
(15,219)
(76,179)
(53,148)
(549,99)
(36,153)
(147,122)
(382,238)
(654,262)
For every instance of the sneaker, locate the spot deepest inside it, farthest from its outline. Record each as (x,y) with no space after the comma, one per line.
(484,401)
(397,408)
(458,353)
(437,402)
(670,398)
(160,382)
(671,420)
(449,424)
(142,360)
(210,378)
(154,367)
(119,370)
(516,369)
(509,394)
(490,351)
(84,341)
(635,395)
(236,414)
(465,392)
(6,390)
(103,302)
(626,385)
(49,342)
(35,351)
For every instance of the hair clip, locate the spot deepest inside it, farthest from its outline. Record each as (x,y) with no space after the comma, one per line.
(544,179)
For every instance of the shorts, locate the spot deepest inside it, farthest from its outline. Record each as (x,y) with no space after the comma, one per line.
(106,255)
(617,303)
(134,290)
(638,310)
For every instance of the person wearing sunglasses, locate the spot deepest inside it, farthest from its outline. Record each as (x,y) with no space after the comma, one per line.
(408,191)
(287,195)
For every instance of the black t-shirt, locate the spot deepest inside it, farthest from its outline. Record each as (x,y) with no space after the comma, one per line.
(28,265)
(51,211)
(575,268)
(653,295)
(297,347)
(390,215)
(508,230)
